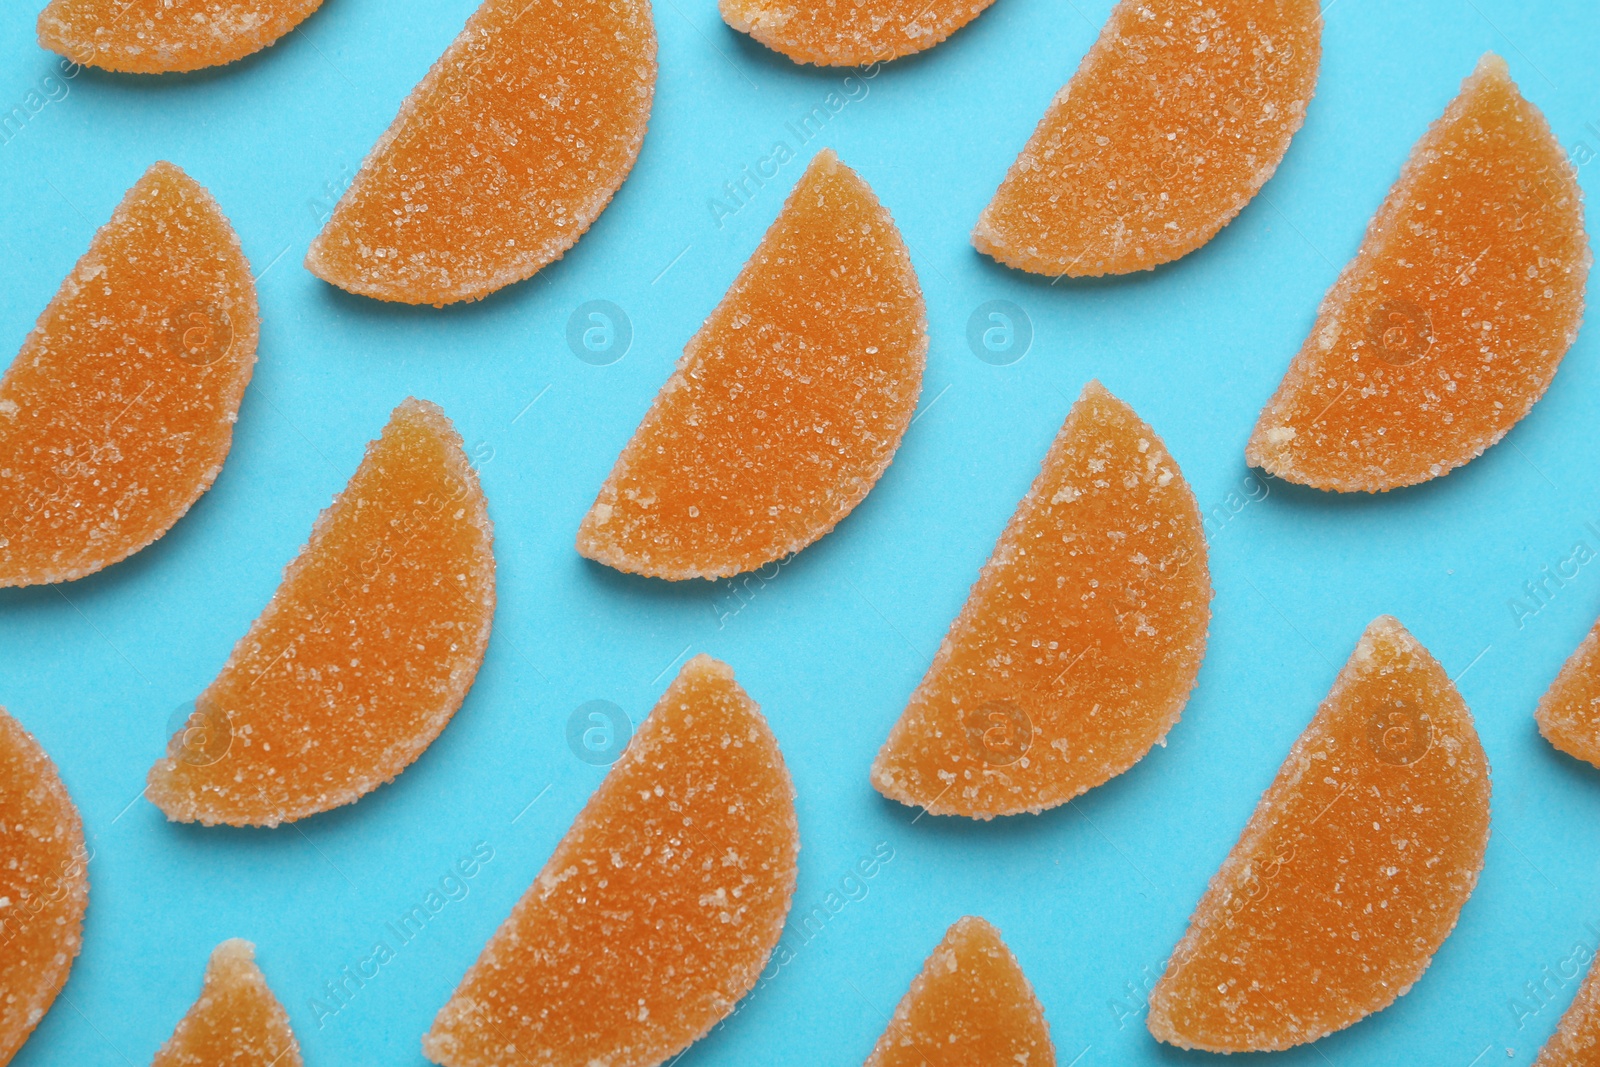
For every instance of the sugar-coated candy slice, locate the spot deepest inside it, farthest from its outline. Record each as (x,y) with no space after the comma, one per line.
(1576,1042)
(1174,120)
(658,909)
(843,33)
(364,653)
(788,403)
(971,1005)
(118,412)
(502,156)
(1569,713)
(1352,871)
(1080,641)
(1454,314)
(236,1022)
(44,885)
(146,37)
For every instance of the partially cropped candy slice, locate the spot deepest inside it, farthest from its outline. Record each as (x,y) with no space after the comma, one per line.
(364,653)
(1177,116)
(1351,872)
(844,33)
(1080,641)
(149,37)
(119,410)
(1576,1042)
(1454,314)
(787,405)
(1569,713)
(658,909)
(236,1022)
(44,885)
(501,157)
(970,1005)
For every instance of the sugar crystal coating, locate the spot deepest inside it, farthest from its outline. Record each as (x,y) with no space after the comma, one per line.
(1576,1042)
(1080,641)
(1352,871)
(971,1005)
(845,33)
(364,653)
(156,36)
(501,157)
(1569,712)
(1453,316)
(236,1022)
(44,885)
(659,907)
(118,412)
(788,403)
(1179,113)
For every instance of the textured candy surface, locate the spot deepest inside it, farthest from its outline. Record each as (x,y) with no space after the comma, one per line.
(118,412)
(971,1005)
(155,36)
(1352,871)
(1569,713)
(1080,641)
(364,653)
(1454,314)
(658,909)
(44,884)
(843,33)
(236,1022)
(788,403)
(1179,113)
(1576,1042)
(501,157)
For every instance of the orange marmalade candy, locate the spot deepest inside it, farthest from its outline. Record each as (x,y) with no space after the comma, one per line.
(119,410)
(656,912)
(155,36)
(1080,641)
(501,157)
(1576,1042)
(363,654)
(1454,314)
(787,405)
(970,1005)
(1180,112)
(842,33)
(237,1021)
(44,884)
(1351,872)
(1569,713)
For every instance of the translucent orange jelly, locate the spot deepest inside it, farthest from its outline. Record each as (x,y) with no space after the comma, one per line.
(971,1005)
(1454,314)
(501,157)
(364,653)
(1080,641)
(154,36)
(787,405)
(1351,872)
(119,410)
(657,910)
(44,885)
(843,33)
(1576,1042)
(1569,713)
(236,1022)
(1177,116)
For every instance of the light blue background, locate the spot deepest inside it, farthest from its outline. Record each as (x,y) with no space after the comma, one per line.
(1091,897)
